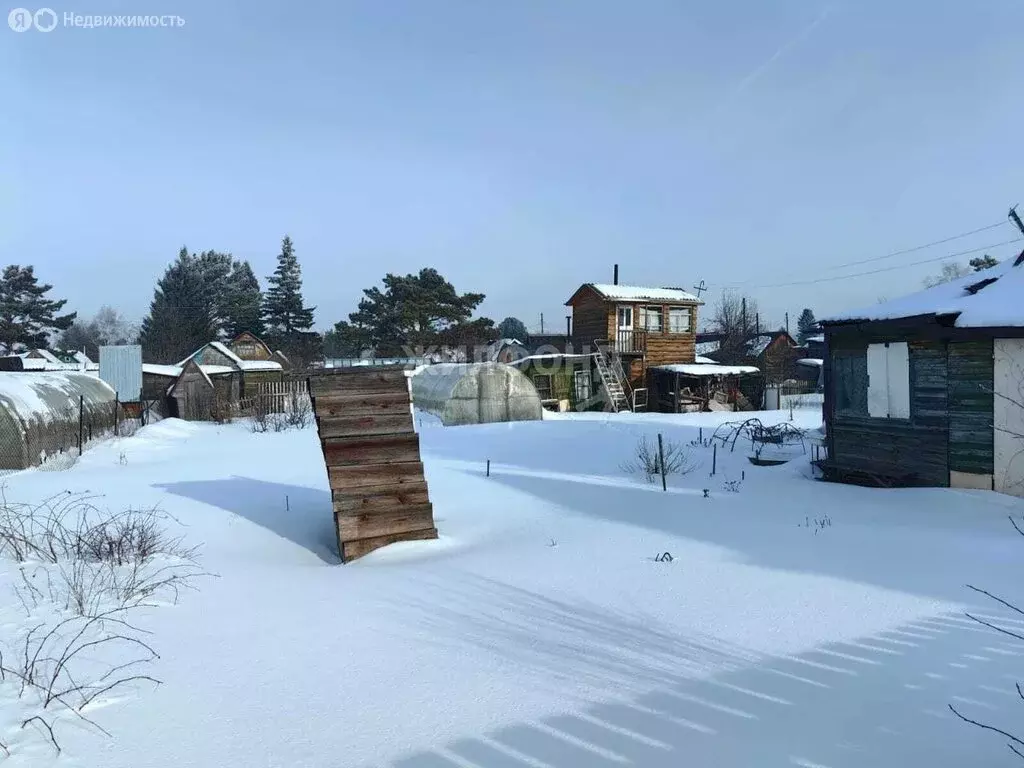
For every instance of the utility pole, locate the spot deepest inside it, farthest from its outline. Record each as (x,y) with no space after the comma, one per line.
(1016,219)
(787,322)
(743,318)
(541,323)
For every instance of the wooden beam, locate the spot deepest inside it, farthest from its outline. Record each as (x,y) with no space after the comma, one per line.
(350,550)
(370,525)
(362,404)
(385,380)
(382,449)
(355,426)
(374,498)
(393,475)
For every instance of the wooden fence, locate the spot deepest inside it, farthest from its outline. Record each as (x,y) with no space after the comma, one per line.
(274,396)
(372,453)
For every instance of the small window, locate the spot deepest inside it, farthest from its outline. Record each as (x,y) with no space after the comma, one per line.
(582,382)
(850,384)
(652,320)
(679,320)
(543,384)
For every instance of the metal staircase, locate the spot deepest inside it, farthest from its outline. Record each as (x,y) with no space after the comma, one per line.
(609,368)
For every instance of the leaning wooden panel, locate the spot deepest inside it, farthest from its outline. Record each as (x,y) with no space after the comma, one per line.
(372,453)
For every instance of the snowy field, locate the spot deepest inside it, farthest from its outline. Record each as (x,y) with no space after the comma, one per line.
(798,623)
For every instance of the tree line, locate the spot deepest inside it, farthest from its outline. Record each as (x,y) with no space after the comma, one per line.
(212,295)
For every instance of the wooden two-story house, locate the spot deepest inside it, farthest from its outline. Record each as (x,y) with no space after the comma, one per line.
(633,328)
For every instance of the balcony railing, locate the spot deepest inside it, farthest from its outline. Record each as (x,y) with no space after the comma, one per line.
(630,342)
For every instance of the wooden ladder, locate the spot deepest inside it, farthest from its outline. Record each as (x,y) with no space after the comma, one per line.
(613,379)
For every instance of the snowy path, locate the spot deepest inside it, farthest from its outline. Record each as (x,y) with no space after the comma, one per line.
(539,631)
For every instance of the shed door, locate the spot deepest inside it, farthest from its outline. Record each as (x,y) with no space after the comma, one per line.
(1008,415)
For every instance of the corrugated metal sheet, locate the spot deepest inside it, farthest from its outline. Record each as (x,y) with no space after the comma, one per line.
(121,368)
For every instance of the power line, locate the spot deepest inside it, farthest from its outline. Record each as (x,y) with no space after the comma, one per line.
(897,266)
(903,252)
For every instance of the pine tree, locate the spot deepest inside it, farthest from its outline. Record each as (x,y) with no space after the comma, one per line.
(513,328)
(288,320)
(27,318)
(243,301)
(806,325)
(180,318)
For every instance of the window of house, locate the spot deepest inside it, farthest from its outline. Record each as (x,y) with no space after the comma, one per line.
(582,382)
(888,388)
(850,376)
(543,384)
(651,319)
(679,320)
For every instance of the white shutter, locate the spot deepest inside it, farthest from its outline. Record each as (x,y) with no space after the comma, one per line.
(878,381)
(899,380)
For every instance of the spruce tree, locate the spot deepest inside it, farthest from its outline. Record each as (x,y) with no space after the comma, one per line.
(806,325)
(243,301)
(27,317)
(180,318)
(288,320)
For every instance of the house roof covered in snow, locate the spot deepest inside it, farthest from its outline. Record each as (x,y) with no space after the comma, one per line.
(991,298)
(701,360)
(615,292)
(810,361)
(237,362)
(820,338)
(704,369)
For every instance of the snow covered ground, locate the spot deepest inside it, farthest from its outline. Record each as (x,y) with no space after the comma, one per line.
(797,624)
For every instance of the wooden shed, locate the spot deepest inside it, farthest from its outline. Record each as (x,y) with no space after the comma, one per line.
(372,452)
(193,396)
(928,390)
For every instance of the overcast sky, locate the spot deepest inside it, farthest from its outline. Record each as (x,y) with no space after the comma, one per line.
(522,147)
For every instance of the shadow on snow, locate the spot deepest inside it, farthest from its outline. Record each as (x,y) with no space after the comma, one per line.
(294,512)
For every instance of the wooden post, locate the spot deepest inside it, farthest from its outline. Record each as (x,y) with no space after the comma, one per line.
(488,467)
(678,404)
(700,435)
(117,402)
(81,422)
(661,462)
(714,458)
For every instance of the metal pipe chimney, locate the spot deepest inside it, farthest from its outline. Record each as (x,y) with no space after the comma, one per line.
(615,275)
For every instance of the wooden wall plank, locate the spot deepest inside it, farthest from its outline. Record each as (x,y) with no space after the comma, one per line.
(365,424)
(359,547)
(388,523)
(392,475)
(380,498)
(381,380)
(362,403)
(380,449)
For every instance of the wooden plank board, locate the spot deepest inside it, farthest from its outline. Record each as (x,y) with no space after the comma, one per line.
(356,426)
(360,475)
(376,498)
(381,449)
(350,550)
(389,380)
(371,525)
(362,403)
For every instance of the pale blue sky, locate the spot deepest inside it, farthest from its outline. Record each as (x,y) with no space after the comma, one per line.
(521,147)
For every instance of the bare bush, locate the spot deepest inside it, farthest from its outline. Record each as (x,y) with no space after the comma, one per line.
(127,556)
(647,462)
(47,656)
(268,413)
